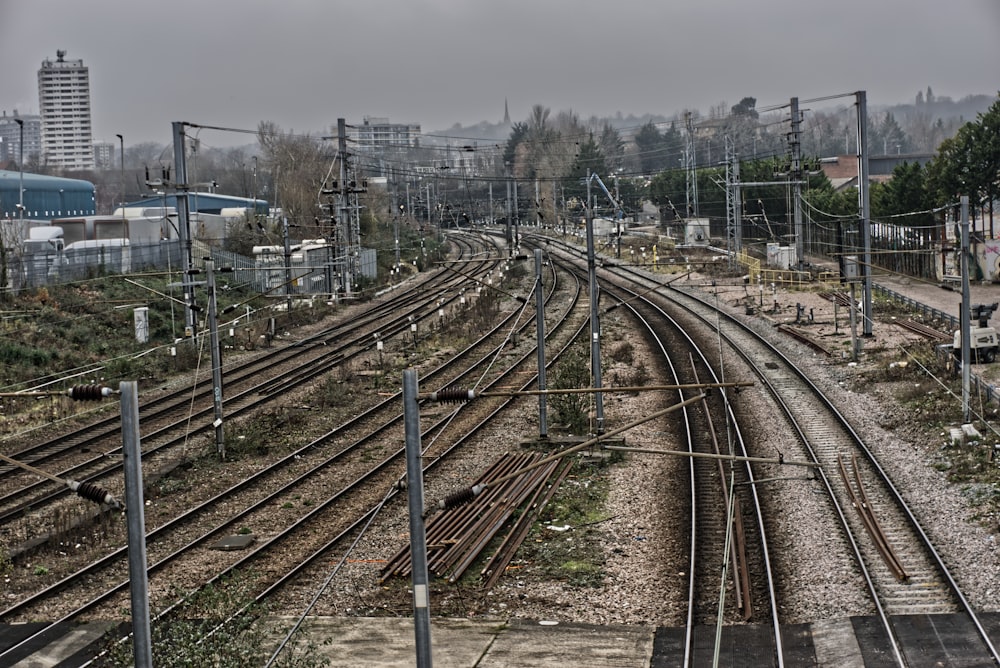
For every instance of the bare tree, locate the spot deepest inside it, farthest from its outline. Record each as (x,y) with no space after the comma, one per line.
(299,169)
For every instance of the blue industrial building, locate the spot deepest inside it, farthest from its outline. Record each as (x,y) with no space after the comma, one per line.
(45,197)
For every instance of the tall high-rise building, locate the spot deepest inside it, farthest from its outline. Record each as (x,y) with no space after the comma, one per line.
(64,105)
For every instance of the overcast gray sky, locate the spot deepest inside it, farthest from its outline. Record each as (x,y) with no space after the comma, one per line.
(305,63)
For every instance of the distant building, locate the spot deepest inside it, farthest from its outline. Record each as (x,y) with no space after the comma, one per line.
(10,138)
(105,155)
(45,197)
(376,134)
(64,105)
(842,170)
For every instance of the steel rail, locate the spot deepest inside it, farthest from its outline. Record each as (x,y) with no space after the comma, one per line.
(630,301)
(33,502)
(883,476)
(255,478)
(289,530)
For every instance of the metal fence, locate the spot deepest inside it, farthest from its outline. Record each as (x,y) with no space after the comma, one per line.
(312,271)
(53,266)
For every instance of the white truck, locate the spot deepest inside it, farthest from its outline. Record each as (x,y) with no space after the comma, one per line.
(983,339)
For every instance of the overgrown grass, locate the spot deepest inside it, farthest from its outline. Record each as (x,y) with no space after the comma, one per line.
(263,432)
(218,627)
(575,555)
(572,371)
(62,328)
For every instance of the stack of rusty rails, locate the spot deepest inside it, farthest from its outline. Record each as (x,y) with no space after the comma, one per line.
(497,565)
(458,536)
(923,330)
(805,338)
(859,499)
(838,298)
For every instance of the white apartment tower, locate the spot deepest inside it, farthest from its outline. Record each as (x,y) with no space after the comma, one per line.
(64,105)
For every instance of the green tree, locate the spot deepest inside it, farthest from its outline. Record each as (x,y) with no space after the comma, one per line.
(649,143)
(518,134)
(611,145)
(589,160)
(905,196)
(746,107)
(969,164)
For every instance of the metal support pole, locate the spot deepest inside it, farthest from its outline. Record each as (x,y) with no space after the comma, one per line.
(865,206)
(964,317)
(418,537)
(213,333)
(20,179)
(854,325)
(135,515)
(121,140)
(288,263)
(543,426)
(555,209)
(517,233)
(595,323)
(507,231)
(184,227)
(344,216)
(538,205)
(796,175)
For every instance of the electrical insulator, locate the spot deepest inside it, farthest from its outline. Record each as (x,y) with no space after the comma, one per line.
(453,395)
(461,497)
(92,492)
(88,392)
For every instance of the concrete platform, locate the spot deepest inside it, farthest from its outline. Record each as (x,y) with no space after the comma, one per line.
(854,642)
(945,641)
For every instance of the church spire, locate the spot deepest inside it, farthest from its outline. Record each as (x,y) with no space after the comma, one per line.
(506,113)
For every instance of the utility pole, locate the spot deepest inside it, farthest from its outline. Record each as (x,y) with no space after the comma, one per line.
(795,144)
(555,209)
(964,315)
(20,178)
(865,207)
(690,166)
(619,214)
(213,330)
(135,516)
(517,215)
(343,216)
(507,231)
(183,227)
(418,536)
(397,213)
(543,425)
(121,140)
(288,263)
(538,206)
(595,323)
(734,201)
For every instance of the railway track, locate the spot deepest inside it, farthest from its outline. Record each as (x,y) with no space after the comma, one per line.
(92,453)
(725,528)
(898,564)
(332,514)
(892,587)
